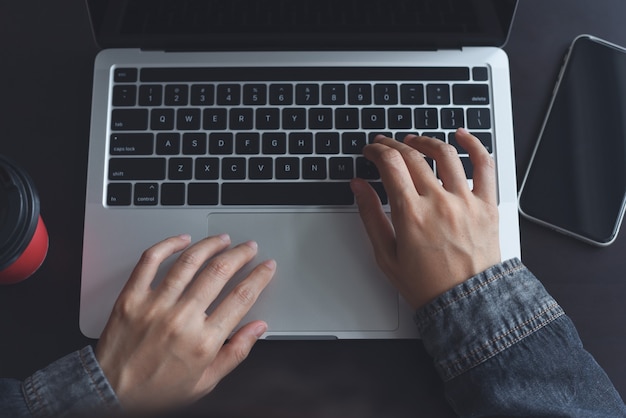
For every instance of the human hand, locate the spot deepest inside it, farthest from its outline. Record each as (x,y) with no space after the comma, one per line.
(159,348)
(440,234)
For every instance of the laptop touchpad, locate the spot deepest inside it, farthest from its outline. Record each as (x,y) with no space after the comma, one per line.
(327,279)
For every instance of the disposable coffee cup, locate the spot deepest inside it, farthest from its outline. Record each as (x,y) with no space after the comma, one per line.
(23,235)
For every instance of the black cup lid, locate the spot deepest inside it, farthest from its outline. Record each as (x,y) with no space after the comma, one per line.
(19,211)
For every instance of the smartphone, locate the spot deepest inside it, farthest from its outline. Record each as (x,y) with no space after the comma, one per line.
(576,179)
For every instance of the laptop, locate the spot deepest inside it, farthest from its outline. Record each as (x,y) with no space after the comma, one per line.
(249,116)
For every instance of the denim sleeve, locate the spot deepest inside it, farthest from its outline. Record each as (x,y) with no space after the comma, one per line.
(504,347)
(69,387)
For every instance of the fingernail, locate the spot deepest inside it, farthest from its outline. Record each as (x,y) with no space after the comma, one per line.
(224,237)
(270,264)
(462,130)
(252,244)
(185,237)
(356,186)
(260,330)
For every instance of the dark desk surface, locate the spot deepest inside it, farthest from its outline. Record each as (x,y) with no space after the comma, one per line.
(46,57)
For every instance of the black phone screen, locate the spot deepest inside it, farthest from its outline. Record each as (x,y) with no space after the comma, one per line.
(576,181)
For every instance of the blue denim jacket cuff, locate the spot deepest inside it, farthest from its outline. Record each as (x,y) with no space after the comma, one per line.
(71,386)
(484,316)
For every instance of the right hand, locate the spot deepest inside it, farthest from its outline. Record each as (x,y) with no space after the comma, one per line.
(440,233)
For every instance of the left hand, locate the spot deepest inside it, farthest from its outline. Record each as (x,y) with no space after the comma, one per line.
(159,348)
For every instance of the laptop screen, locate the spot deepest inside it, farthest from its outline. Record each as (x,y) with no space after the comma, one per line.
(300,24)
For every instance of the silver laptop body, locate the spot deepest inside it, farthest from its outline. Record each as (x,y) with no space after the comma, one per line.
(327,284)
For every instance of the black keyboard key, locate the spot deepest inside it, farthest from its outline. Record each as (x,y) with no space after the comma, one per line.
(241,119)
(386,94)
(125,75)
(327,143)
(470,94)
(179,168)
(254,94)
(333,94)
(321,118)
(228,94)
(287,168)
(366,169)
(176,95)
(188,119)
(202,94)
(281,94)
(119,194)
(359,94)
(373,118)
(247,143)
(267,119)
(214,119)
(480,73)
(294,118)
(207,168)
(347,118)
(478,118)
(304,193)
(260,168)
(129,119)
(132,144)
(194,143)
(301,143)
(150,95)
(168,143)
(353,142)
(438,94)
(400,118)
(221,143)
(202,193)
(162,119)
(314,168)
(412,94)
(124,95)
(452,118)
(146,194)
(426,118)
(485,138)
(307,94)
(234,168)
(137,169)
(341,168)
(173,194)
(274,143)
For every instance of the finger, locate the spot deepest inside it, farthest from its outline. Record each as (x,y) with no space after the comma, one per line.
(484,166)
(394,174)
(449,167)
(377,225)
(146,268)
(233,353)
(421,172)
(239,301)
(212,279)
(187,265)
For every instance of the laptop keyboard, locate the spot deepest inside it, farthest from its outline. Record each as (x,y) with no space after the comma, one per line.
(272,136)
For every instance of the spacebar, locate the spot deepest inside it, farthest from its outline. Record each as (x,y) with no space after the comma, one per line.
(302,193)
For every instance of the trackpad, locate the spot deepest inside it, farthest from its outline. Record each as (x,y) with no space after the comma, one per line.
(327,279)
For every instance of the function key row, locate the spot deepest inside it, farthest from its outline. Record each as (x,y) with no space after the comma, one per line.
(282,94)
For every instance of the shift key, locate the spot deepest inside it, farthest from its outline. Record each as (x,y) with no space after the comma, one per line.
(137,169)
